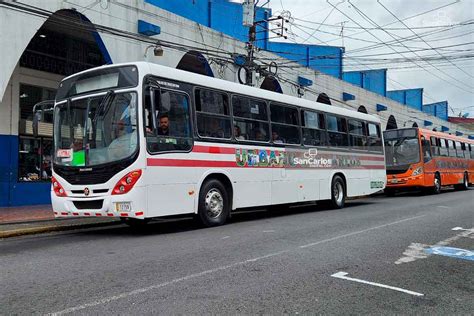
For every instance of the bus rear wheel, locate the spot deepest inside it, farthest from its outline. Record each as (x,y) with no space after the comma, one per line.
(338,193)
(465,183)
(214,206)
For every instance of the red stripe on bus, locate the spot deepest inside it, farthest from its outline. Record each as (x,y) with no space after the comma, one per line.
(139,214)
(213,150)
(63,213)
(75,214)
(124,214)
(87,214)
(110,214)
(98,214)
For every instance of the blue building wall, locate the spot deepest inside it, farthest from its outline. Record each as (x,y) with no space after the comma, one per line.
(438,109)
(373,80)
(411,97)
(326,59)
(221,15)
(13,192)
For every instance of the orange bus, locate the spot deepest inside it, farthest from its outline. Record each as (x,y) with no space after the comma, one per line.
(427,160)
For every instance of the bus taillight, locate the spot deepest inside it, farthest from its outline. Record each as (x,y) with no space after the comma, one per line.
(127,182)
(58,188)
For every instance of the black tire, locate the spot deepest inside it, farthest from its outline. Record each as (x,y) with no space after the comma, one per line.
(436,189)
(338,193)
(214,204)
(465,183)
(389,192)
(135,222)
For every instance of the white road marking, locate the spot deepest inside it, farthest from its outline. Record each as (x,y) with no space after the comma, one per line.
(360,231)
(342,275)
(225,237)
(442,206)
(416,251)
(268,231)
(221,268)
(465,229)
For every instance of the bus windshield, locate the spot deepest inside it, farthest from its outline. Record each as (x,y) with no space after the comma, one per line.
(95,130)
(401,147)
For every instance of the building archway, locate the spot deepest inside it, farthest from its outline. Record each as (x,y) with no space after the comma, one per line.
(271,84)
(65,44)
(392,123)
(415,124)
(323,98)
(435,130)
(362,109)
(194,61)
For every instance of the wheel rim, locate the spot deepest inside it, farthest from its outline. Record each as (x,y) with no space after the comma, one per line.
(338,193)
(437,183)
(465,182)
(214,203)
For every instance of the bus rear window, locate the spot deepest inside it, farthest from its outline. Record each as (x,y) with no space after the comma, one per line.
(110,78)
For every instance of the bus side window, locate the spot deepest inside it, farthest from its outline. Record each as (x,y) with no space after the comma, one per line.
(425,145)
(471,149)
(452,148)
(337,131)
(434,146)
(313,128)
(443,150)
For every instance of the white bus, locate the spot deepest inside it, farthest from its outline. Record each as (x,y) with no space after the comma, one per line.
(140,141)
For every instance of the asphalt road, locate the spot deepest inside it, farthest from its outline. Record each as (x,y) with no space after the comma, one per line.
(292,261)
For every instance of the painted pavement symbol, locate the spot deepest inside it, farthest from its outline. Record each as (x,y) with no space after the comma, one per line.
(452,252)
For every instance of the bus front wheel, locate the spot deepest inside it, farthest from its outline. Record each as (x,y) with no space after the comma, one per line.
(214,206)
(338,193)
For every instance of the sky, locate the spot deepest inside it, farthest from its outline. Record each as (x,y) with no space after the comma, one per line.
(433,50)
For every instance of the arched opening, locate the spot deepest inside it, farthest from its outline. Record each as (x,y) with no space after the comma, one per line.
(194,61)
(415,124)
(65,44)
(323,98)
(362,109)
(271,84)
(392,123)
(435,130)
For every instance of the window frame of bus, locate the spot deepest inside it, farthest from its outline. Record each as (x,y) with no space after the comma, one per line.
(459,149)
(243,119)
(363,135)
(321,124)
(471,151)
(298,126)
(444,147)
(378,138)
(147,83)
(452,151)
(435,149)
(344,147)
(219,116)
(426,144)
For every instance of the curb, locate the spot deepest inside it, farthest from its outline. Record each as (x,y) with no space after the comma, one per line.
(47,229)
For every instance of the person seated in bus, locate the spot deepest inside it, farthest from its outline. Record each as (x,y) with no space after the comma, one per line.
(124,142)
(260,135)
(163,125)
(214,129)
(276,138)
(238,134)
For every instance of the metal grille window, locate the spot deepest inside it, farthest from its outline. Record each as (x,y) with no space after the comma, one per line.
(357,134)
(250,119)
(314,133)
(337,131)
(285,127)
(212,114)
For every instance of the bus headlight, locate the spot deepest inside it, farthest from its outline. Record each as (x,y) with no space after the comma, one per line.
(127,182)
(417,171)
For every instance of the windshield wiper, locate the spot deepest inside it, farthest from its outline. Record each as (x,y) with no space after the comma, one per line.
(104,104)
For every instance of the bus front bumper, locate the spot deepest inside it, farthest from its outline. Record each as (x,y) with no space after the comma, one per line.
(131,204)
(405,181)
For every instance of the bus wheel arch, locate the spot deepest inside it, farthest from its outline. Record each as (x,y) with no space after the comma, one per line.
(437,183)
(465,182)
(338,191)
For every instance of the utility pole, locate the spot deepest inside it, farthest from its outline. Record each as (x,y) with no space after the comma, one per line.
(249,21)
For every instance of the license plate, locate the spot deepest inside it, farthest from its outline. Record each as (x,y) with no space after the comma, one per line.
(394,181)
(123,207)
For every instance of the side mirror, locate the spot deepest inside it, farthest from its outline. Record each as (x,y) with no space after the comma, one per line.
(36,119)
(38,114)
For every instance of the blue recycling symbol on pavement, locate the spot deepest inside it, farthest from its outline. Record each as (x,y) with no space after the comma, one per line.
(452,252)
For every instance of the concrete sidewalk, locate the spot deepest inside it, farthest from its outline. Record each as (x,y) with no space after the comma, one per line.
(27,220)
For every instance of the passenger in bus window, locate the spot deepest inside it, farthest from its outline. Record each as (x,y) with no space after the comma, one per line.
(238,133)
(214,129)
(276,138)
(164,123)
(260,135)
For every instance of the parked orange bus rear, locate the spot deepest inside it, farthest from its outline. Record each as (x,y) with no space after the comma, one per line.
(428,160)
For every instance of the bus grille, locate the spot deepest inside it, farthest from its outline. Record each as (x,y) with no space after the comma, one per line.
(89,205)
(397,169)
